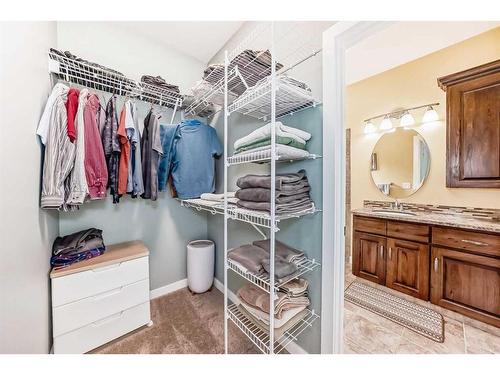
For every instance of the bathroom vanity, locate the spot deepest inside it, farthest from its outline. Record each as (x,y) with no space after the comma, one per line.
(451,260)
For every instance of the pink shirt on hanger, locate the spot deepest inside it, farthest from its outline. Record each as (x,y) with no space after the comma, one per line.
(96,170)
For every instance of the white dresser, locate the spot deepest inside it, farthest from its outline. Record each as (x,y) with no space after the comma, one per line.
(100,299)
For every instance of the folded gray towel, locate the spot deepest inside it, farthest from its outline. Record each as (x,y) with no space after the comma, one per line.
(281,249)
(264,195)
(281,208)
(249,256)
(282,268)
(263,181)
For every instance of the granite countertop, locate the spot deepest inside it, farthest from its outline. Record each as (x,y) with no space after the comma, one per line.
(442,219)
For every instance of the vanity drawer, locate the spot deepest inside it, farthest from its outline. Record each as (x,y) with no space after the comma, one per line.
(85,311)
(486,244)
(408,231)
(369,225)
(102,331)
(66,289)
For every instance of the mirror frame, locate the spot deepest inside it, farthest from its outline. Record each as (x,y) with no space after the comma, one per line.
(370,170)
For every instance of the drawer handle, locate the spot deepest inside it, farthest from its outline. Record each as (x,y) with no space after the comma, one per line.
(107,268)
(382,251)
(436,264)
(108,319)
(108,293)
(390,253)
(477,243)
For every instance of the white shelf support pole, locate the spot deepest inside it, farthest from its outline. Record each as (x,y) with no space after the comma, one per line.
(273,193)
(226,317)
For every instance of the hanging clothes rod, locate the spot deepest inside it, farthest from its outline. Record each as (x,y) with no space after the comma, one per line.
(101,79)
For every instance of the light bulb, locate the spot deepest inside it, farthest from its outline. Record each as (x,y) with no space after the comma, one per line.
(369,127)
(407,119)
(386,123)
(430,115)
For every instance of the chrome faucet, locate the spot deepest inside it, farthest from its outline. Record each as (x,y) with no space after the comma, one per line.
(397,205)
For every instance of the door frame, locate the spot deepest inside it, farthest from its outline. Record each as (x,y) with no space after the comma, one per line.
(336,41)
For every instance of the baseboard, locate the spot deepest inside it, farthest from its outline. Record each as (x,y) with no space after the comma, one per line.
(292,348)
(163,290)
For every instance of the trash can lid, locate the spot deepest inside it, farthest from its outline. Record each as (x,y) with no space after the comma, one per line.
(200,243)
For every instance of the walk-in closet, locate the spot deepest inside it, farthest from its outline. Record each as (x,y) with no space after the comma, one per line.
(180,185)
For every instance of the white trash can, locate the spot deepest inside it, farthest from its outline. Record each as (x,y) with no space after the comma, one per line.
(200,265)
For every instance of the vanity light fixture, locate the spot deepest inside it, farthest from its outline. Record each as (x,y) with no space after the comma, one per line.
(405,116)
(386,123)
(430,115)
(407,119)
(369,127)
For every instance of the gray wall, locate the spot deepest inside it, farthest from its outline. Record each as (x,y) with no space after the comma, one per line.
(26,232)
(303,233)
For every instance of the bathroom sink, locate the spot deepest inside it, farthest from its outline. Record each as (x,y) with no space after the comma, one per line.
(395,212)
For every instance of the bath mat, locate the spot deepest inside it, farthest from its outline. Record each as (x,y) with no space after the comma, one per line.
(419,319)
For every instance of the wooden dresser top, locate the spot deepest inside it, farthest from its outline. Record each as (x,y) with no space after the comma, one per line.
(115,253)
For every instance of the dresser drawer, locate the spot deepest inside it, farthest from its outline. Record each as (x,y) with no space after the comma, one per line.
(369,225)
(91,309)
(70,288)
(408,231)
(100,332)
(485,244)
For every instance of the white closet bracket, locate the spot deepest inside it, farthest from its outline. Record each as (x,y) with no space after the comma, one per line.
(259,231)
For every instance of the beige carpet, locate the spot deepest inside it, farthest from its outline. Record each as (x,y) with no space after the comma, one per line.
(183,324)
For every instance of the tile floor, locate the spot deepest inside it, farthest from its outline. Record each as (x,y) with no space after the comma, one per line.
(369,333)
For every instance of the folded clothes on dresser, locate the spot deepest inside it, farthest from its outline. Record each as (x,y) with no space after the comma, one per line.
(76,247)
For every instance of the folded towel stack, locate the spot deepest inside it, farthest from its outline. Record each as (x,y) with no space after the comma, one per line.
(254,258)
(219,198)
(76,247)
(292,193)
(290,142)
(288,309)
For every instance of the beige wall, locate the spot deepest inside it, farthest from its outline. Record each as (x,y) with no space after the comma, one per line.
(410,85)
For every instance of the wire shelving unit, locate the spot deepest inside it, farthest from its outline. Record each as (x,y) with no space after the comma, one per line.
(96,77)
(263,90)
(263,157)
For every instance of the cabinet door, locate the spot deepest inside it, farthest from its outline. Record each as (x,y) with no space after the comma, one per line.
(466,283)
(473,127)
(408,267)
(368,257)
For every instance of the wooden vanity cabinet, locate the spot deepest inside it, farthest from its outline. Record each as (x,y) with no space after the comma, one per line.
(392,253)
(368,257)
(473,127)
(465,273)
(408,267)
(455,268)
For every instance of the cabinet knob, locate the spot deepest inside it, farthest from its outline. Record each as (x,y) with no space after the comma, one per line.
(436,264)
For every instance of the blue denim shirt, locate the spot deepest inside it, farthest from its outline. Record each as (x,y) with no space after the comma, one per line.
(168,135)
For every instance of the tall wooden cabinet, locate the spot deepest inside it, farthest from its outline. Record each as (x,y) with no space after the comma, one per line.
(473,127)
(453,268)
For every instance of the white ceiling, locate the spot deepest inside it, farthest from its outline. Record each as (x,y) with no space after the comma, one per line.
(198,39)
(402,42)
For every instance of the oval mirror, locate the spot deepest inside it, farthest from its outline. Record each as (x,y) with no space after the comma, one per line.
(400,163)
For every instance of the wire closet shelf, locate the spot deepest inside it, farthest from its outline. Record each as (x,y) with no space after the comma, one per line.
(99,78)
(264,156)
(258,218)
(260,337)
(248,70)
